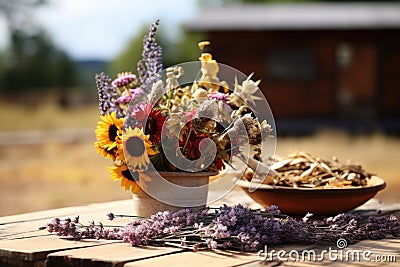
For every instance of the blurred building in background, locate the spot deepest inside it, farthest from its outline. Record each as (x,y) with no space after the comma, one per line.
(316,60)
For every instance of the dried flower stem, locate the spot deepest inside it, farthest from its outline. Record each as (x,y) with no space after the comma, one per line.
(255,165)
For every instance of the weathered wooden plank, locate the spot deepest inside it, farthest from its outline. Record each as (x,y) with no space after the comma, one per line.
(116,254)
(123,206)
(235,197)
(375,204)
(382,252)
(21,244)
(31,229)
(37,248)
(26,229)
(201,259)
(26,225)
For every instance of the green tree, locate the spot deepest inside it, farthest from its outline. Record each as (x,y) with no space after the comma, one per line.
(31,62)
(187,46)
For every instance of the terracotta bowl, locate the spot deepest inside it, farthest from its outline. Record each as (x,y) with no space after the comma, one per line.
(329,201)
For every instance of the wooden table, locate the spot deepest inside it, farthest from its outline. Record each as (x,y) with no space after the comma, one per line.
(22,244)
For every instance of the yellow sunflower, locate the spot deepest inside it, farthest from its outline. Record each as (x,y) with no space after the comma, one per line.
(108,135)
(112,153)
(133,181)
(137,148)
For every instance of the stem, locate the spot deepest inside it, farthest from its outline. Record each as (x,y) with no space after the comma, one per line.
(128,216)
(232,147)
(179,246)
(257,166)
(127,90)
(187,139)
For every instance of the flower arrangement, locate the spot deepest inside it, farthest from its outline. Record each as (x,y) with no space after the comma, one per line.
(151,122)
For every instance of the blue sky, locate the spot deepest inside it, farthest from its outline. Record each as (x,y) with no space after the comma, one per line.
(102,28)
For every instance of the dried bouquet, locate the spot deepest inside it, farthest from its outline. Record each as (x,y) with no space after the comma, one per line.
(149,120)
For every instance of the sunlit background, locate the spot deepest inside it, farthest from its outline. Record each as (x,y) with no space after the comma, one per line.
(329,70)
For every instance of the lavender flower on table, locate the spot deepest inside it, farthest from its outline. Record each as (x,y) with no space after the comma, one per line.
(273,209)
(235,227)
(159,225)
(110,216)
(75,230)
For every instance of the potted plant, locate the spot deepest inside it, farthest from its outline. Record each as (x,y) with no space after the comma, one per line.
(167,131)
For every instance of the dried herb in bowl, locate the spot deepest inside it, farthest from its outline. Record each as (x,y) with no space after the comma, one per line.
(303,170)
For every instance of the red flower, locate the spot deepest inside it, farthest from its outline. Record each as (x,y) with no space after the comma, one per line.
(154,120)
(194,145)
(219,163)
(154,125)
(190,144)
(142,112)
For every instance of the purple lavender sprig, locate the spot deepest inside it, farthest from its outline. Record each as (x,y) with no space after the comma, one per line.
(150,66)
(249,230)
(75,230)
(111,216)
(162,227)
(108,96)
(243,228)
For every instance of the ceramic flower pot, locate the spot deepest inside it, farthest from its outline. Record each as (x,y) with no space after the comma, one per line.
(179,190)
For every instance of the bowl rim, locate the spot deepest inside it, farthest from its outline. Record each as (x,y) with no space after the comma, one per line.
(377,185)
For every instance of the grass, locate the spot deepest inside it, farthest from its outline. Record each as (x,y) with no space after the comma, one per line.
(47,116)
(51,175)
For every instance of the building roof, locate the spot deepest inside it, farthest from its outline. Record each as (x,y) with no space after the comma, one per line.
(297,16)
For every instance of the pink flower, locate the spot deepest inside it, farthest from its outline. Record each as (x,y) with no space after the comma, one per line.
(123,80)
(125,98)
(218,96)
(221,97)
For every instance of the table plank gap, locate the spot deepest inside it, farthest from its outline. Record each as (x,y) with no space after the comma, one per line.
(33,249)
(19,230)
(113,255)
(194,259)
